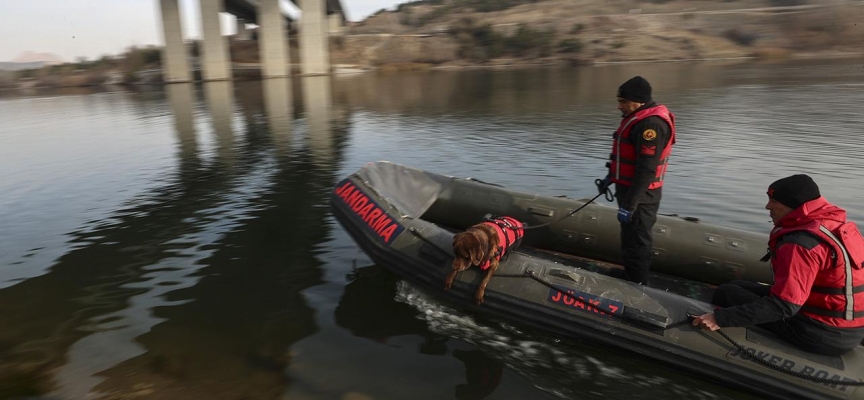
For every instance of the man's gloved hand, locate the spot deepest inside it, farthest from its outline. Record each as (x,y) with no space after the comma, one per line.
(625,216)
(602,184)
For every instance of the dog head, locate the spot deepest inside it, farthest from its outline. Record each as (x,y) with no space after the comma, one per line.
(470,249)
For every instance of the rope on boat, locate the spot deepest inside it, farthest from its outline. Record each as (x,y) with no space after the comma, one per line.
(569,214)
(533,275)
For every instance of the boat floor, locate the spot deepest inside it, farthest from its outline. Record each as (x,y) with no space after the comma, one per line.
(684,287)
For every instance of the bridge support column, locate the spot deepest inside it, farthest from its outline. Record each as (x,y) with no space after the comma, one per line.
(175,65)
(216,64)
(272,40)
(335,24)
(242,32)
(314,41)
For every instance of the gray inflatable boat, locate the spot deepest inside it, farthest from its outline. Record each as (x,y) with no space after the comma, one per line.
(562,278)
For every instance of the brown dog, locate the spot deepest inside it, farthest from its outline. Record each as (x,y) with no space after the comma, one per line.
(481,245)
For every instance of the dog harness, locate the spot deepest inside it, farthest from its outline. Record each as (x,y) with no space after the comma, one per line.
(510,232)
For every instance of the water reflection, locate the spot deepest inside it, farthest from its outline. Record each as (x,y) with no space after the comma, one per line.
(555,90)
(367,310)
(318,105)
(278,101)
(181,97)
(482,374)
(176,242)
(516,91)
(192,288)
(219,97)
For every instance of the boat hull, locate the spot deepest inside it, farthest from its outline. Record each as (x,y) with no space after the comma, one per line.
(569,295)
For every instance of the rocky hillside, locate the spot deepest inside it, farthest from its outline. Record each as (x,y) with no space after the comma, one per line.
(494,32)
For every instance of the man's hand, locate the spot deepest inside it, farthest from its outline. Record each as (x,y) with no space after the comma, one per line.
(625,216)
(706,321)
(602,184)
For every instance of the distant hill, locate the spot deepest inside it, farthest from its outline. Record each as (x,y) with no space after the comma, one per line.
(32,57)
(30,60)
(17,66)
(506,32)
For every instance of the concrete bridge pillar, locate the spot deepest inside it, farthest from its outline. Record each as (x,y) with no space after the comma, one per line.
(242,32)
(175,65)
(335,24)
(216,62)
(272,40)
(314,42)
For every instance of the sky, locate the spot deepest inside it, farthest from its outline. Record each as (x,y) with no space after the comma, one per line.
(93,28)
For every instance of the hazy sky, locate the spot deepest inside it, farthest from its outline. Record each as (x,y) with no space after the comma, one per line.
(93,28)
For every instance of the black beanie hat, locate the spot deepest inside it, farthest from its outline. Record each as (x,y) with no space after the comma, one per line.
(636,89)
(793,191)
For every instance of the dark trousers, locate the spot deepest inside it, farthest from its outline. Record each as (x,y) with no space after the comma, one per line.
(799,330)
(636,240)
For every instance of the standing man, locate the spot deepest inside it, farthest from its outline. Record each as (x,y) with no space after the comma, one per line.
(640,152)
(817,300)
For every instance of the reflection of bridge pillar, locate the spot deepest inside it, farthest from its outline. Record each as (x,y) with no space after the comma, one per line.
(317,101)
(273,45)
(314,46)
(216,62)
(220,99)
(277,103)
(181,97)
(175,66)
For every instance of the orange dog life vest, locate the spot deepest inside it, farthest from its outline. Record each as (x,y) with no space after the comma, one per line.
(510,232)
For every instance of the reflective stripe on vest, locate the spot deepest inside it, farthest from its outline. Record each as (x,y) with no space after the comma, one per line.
(847,263)
(838,250)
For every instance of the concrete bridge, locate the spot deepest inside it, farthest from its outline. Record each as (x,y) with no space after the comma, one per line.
(314,26)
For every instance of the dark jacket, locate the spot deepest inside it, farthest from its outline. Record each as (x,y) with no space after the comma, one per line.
(648,157)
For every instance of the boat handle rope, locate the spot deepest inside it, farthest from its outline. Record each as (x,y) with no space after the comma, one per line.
(533,275)
(607,193)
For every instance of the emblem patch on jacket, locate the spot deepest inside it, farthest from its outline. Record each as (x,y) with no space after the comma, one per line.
(649,134)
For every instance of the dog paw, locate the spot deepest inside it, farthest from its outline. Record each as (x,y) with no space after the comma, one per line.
(478,299)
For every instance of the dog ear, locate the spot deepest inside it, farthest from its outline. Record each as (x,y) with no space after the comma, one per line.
(477,256)
(461,251)
(478,248)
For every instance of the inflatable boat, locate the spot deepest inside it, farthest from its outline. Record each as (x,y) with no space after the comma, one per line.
(563,277)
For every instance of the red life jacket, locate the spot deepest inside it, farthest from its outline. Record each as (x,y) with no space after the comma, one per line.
(622,166)
(837,295)
(510,232)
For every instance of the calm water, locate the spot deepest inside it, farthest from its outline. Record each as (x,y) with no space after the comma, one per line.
(177,243)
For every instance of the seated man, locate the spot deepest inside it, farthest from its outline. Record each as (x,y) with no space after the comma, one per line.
(817,300)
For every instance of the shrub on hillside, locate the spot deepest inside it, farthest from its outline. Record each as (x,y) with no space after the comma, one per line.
(526,39)
(739,37)
(480,42)
(570,46)
(476,42)
(492,5)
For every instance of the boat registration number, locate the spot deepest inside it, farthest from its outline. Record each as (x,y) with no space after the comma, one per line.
(586,302)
